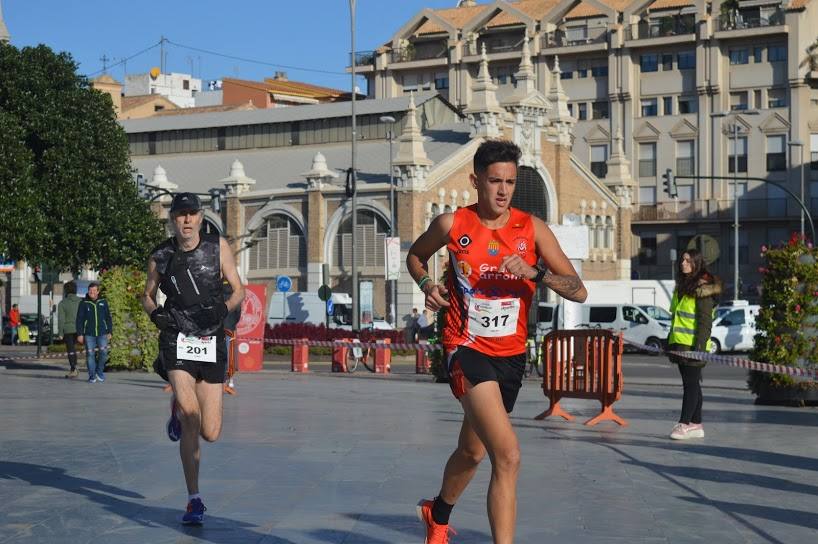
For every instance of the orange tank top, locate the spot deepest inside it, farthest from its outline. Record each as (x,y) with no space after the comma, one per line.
(489,309)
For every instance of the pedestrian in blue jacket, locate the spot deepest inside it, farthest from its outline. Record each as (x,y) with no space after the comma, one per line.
(94,327)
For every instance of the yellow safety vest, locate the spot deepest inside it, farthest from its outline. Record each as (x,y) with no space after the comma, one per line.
(683,324)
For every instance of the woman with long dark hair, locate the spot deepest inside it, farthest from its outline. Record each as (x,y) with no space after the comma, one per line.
(693,306)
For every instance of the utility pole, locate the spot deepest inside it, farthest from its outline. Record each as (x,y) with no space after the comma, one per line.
(162,55)
(735,210)
(356,318)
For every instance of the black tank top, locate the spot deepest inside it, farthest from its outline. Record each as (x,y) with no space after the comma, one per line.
(190,279)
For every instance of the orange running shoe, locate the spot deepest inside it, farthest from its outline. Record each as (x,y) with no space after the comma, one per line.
(435,533)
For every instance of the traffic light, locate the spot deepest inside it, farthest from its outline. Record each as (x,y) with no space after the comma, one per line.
(670,183)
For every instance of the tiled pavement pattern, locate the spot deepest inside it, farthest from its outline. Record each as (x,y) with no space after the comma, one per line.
(339,459)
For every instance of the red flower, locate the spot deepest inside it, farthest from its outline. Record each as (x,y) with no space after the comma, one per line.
(762,270)
(797,308)
(764,249)
(777,339)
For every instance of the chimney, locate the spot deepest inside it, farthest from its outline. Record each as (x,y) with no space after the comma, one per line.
(280,76)
(466,3)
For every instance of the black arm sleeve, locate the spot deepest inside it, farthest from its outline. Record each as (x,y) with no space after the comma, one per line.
(704,322)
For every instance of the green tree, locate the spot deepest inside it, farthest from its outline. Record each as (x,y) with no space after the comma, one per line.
(788,320)
(66,188)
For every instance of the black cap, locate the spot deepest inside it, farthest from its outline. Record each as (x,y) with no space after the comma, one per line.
(184,202)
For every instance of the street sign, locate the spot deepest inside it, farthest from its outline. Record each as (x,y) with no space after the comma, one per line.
(393,260)
(324,292)
(284,283)
(330,307)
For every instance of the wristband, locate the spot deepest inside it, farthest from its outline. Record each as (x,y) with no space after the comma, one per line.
(540,274)
(423,282)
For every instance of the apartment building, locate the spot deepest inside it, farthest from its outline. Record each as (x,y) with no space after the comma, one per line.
(704,88)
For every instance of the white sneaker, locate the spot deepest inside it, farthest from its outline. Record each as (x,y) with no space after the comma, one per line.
(682,431)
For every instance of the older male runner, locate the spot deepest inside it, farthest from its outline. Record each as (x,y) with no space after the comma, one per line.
(492,275)
(189,268)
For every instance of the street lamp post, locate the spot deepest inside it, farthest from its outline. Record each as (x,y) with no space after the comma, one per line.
(800,145)
(393,227)
(356,318)
(735,192)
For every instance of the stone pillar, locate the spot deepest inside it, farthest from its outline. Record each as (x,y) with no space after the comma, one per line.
(484,111)
(316,177)
(236,184)
(411,163)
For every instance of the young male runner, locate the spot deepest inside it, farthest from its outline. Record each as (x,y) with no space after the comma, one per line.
(189,268)
(492,276)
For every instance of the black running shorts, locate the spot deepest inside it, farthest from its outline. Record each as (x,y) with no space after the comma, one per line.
(468,365)
(206,372)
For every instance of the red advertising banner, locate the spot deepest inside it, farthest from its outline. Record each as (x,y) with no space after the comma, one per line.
(250,330)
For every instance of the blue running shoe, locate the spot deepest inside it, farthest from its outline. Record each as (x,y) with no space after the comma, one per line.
(174,426)
(100,378)
(92,379)
(195,513)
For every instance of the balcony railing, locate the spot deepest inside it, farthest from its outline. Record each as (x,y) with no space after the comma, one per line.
(499,45)
(365,58)
(666,26)
(714,209)
(410,53)
(737,20)
(559,38)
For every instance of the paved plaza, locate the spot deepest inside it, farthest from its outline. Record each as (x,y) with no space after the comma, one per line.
(316,459)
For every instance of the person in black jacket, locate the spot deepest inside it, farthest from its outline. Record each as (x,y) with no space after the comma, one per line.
(693,306)
(94,329)
(189,268)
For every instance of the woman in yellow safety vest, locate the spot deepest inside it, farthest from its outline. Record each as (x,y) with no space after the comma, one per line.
(693,308)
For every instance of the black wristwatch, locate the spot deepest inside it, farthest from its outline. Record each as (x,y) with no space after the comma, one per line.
(540,274)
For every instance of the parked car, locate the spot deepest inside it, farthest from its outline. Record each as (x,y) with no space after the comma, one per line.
(656,312)
(725,307)
(29,320)
(636,325)
(735,329)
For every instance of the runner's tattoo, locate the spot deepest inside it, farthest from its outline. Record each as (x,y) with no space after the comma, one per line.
(564,286)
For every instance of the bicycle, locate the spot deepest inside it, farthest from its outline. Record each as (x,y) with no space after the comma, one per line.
(533,358)
(358,355)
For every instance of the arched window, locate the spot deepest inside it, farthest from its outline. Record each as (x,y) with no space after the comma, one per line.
(609,232)
(589,222)
(599,233)
(279,244)
(369,242)
(529,193)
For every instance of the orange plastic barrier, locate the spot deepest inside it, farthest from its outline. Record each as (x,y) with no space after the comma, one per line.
(301,355)
(583,365)
(383,358)
(422,362)
(339,356)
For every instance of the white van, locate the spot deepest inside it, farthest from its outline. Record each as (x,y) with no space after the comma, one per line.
(628,319)
(735,328)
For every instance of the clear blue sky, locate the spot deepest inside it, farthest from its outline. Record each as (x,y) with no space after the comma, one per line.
(304,33)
